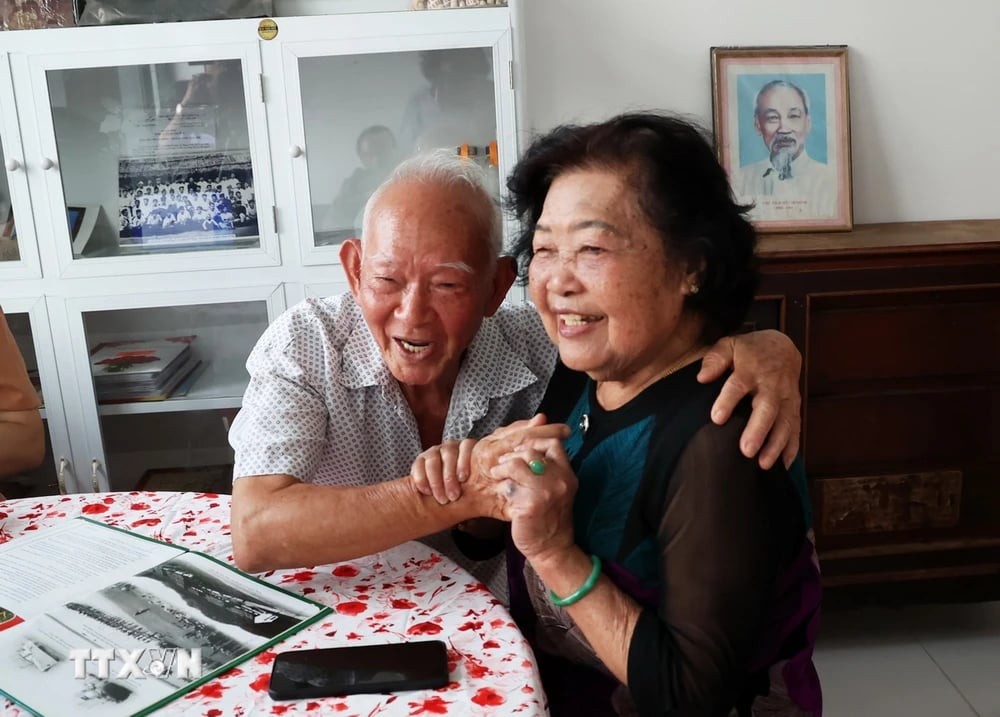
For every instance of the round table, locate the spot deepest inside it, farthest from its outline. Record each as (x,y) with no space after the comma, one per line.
(407,593)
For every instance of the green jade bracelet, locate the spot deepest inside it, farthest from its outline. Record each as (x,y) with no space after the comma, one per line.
(581,592)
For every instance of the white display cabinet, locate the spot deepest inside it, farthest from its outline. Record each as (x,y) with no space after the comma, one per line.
(194,179)
(28,320)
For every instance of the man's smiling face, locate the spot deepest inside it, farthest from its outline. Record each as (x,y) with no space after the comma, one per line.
(424,279)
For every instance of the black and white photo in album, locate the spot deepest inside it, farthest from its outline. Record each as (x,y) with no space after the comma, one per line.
(202,199)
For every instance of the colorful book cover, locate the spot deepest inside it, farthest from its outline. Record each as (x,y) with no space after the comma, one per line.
(139,357)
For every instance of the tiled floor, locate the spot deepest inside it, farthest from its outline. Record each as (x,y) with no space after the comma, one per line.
(918,661)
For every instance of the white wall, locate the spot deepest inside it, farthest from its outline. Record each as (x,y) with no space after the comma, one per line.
(924,82)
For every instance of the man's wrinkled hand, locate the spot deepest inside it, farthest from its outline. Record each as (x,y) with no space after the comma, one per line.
(441,470)
(767,365)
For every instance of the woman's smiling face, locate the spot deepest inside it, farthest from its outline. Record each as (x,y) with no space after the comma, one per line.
(607,293)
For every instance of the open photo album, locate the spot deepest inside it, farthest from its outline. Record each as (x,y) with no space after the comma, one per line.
(94,619)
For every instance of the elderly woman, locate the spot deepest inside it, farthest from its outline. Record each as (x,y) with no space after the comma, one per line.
(662,572)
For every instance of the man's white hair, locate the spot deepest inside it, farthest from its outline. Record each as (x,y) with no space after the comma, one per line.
(446,169)
(779,83)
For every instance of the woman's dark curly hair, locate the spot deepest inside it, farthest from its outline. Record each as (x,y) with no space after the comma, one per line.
(680,188)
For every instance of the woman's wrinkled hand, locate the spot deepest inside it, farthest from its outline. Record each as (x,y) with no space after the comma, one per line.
(538,486)
(441,470)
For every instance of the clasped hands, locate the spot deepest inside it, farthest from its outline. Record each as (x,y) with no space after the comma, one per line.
(519,473)
(496,471)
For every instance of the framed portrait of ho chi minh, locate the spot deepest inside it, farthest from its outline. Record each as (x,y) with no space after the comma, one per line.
(782,131)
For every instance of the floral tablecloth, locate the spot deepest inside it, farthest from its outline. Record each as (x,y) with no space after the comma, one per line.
(408,592)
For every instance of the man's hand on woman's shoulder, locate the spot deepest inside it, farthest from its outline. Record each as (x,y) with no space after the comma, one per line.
(767,365)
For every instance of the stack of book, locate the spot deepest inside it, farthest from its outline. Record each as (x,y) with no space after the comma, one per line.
(142,369)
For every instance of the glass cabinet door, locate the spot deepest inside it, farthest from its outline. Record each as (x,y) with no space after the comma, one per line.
(362,114)
(27,322)
(169,161)
(155,158)
(18,251)
(166,382)
(9,250)
(356,110)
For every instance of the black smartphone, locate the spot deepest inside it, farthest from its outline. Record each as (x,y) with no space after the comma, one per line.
(299,674)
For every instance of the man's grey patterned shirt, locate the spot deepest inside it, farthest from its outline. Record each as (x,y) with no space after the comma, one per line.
(322,406)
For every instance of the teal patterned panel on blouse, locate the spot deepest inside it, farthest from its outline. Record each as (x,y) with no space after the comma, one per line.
(609,477)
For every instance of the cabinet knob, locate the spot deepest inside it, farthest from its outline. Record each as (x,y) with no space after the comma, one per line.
(295,151)
(47,163)
(12,164)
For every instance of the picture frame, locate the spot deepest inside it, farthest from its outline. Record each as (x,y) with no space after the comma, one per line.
(781,117)
(182,202)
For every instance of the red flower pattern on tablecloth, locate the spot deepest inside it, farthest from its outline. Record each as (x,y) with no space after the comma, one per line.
(424,628)
(212,690)
(406,593)
(475,668)
(488,697)
(266,657)
(433,705)
(351,608)
(261,683)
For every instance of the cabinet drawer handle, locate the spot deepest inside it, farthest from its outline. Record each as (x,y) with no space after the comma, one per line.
(94,466)
(61,475)
(12,164)
(47,163)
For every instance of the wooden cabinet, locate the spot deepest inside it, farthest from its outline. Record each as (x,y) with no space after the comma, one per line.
(899,328)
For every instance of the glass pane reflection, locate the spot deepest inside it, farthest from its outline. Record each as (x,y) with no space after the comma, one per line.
(8,233)
(365,113)
(155,158)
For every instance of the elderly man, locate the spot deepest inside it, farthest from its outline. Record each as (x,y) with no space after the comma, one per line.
(345,392)
(22,437)
(788,177)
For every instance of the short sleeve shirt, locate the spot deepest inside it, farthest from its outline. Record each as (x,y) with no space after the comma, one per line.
(16,391)
(322,406)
